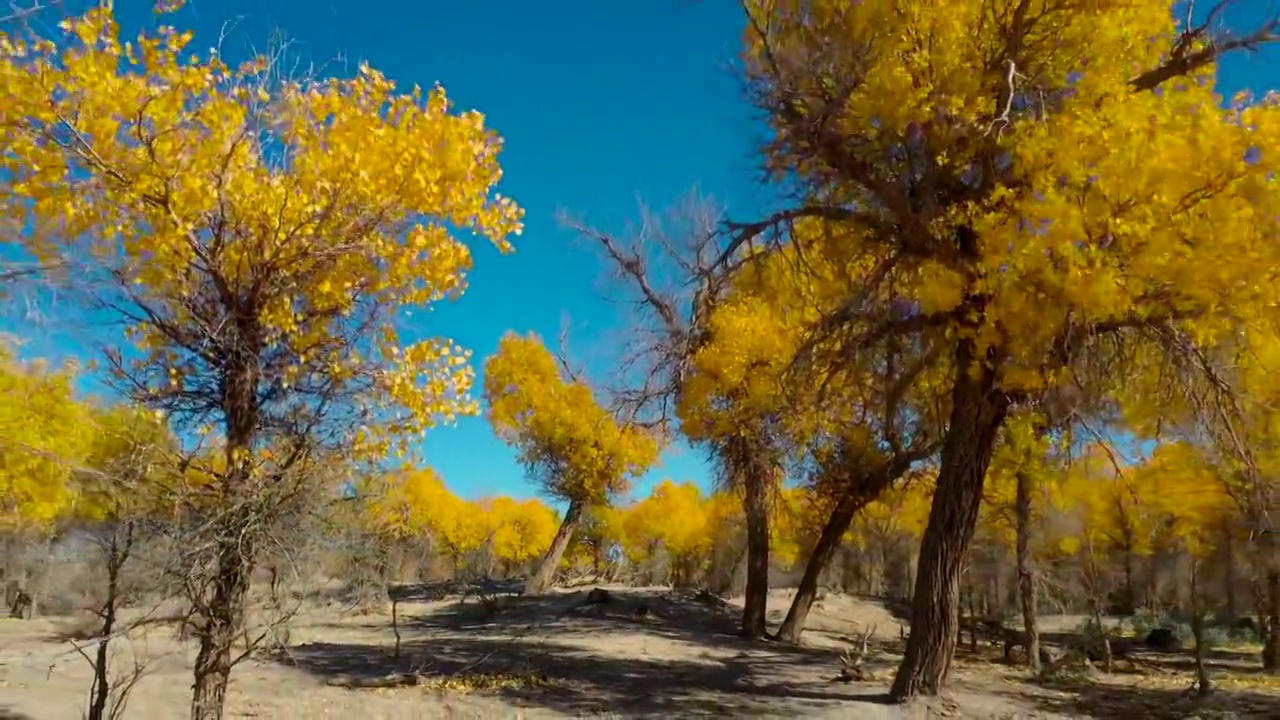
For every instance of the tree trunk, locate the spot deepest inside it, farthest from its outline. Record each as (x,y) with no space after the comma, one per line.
(1229,571)
(1203,684)
(223,616)
(1026,573)
(853,499)
(234,540)
(546,572)
(977,412)
(1271,650)
(756,506)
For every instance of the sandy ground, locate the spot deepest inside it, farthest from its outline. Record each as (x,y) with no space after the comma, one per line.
(553,657)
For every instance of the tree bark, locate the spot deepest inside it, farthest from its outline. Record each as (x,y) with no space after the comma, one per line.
(234,542)
(756,506)
(1203,685)
(1229,571)
(546,572)
(1026,573)
(853,500)
(977,412)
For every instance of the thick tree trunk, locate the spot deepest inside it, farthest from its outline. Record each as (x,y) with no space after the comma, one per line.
(977,412)
(756,506)
(546,572)
(1026,573)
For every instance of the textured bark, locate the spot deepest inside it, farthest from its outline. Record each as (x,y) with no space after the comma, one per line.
(546,572)
(977,412)
(234,547)
(756,507)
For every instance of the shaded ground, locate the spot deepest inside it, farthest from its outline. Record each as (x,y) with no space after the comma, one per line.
(556,656)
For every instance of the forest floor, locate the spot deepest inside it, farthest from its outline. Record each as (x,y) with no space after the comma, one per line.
(556,657)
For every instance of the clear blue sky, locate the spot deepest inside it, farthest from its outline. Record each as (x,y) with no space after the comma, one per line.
(601,104)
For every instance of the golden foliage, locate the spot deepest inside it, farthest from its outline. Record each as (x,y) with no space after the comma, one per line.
(44,437)
(560,432)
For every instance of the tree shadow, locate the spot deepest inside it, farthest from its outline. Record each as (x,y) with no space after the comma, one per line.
(7,713)
(680,616)
(1106,700)
(574,680)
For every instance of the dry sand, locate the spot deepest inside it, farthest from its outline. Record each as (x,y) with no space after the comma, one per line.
(682,660)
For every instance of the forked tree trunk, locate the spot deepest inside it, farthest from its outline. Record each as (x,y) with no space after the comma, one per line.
(977,412)
(859,491)
(1026,573)
(756,507)
(546,572)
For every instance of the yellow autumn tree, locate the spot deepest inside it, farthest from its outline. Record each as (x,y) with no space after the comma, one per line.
(670,524)
(1014,182)
(522,530)
(258,236)
(45,435)
(570,443)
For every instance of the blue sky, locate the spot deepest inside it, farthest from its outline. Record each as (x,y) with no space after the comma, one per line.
(601,104)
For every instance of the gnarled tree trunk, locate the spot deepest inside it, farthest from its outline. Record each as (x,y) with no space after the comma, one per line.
(546,572)
(234,543)
(977,412)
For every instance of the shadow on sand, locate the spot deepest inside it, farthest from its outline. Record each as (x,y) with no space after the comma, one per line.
(575,681)
(534,637)
(671,615)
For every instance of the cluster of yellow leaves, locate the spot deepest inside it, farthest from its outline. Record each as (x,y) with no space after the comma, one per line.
(1175,498)
(576,447)
(417,503)
(63,457)
(672,517)
(42,441)
(293,208)
(522,529)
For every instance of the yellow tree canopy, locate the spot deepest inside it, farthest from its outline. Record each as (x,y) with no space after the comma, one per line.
(672,517)
(1014,180)
(45,436)
(573,445)
(522,529)
(226,211)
